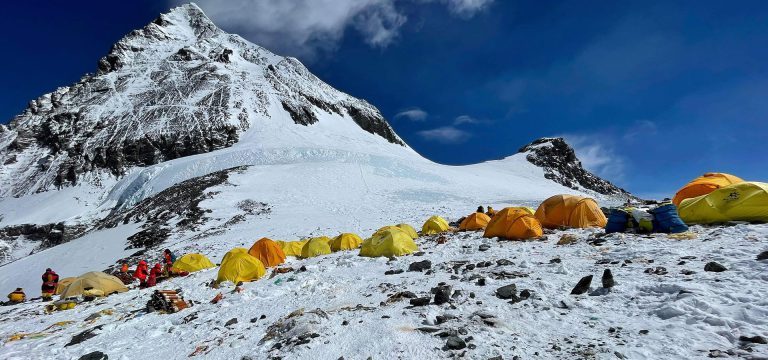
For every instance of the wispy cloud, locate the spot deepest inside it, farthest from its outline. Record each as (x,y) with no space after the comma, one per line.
(413,114)
(465,119)
(308,27)
(445,135)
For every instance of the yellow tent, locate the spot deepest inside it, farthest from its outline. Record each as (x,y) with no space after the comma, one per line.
(388,243)
(570,211)
(316,246)
(240,266)
(703,185)
(97,280)
(746,201)
(268,252)
(408,230)
(475,221)
(434,225)
(513,224)
(346,241)
(63,283)
(232,252)
(192,263)
(291,248)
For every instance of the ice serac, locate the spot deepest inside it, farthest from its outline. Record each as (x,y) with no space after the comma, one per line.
(179,86)
(560,164)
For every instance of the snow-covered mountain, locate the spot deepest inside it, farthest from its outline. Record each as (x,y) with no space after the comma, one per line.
(188,135)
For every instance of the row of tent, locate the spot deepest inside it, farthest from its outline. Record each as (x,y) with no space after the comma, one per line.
(719,197)
(519,223)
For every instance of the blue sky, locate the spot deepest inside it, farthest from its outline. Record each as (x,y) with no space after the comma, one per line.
(651,94)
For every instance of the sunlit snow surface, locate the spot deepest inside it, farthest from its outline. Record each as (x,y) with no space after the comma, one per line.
(686,315)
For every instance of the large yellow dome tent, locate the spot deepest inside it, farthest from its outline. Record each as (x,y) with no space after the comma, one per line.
(703,185)
(291,248)
(570,211)
(513,224)
(268,252)
(434,225)
(745,201)
(192,263)
(389,242)
(63,283)
(408,229)
(108,284)
(475,221)
(238,265)
(346,241)
(316,246)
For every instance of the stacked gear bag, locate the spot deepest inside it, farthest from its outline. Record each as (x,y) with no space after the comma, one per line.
(167,301)
(662,219)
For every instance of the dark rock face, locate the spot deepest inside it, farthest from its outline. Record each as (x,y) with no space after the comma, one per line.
(175,209)
(48,235)
(607,279)
(561,165)
(420,265)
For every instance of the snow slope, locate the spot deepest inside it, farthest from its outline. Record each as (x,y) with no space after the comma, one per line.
(645,316)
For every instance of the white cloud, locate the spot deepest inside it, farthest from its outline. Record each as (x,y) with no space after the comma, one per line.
(445,135)
(465,119)
(413,114)
(306,27)
(467,8)
(598,155)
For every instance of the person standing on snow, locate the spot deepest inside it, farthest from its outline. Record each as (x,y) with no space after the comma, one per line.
(480,209)
(50,281)
(141,273)
(168,259)
(155,273)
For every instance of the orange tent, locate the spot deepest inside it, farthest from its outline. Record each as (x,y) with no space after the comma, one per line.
(475,221)
(570,211)
(703,185)
(268,252)
(513,224)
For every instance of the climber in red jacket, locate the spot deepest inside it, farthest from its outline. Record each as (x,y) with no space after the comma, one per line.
(155,273)
(50,282)
(141,273)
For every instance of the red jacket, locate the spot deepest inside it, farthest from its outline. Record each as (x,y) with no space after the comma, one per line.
(153,275)
(50,280)
(141,272)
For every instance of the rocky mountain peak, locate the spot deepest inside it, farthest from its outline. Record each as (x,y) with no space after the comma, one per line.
(177,87)
(561,165)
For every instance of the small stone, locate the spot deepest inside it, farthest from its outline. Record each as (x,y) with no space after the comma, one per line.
(394,272)
(345,323)
(484,264)
(506,291)
(455,343)
(428,329)
(582,286)
(232,321)
(420,266)
(681,263)
(555,261)
(470,267)
(385,316)
(503,262)
(481,282)
(262,317)
(253,320)
(96,355)
(763,256)
(607,279)
(484,247)
(611,330)
(714,267)
(443,294)
(644,332)
(418,253)
(757,339)
(525,294)
(421,301)
(567,239)
(687,272)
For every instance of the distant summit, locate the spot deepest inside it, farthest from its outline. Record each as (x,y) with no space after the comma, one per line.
(560,164)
